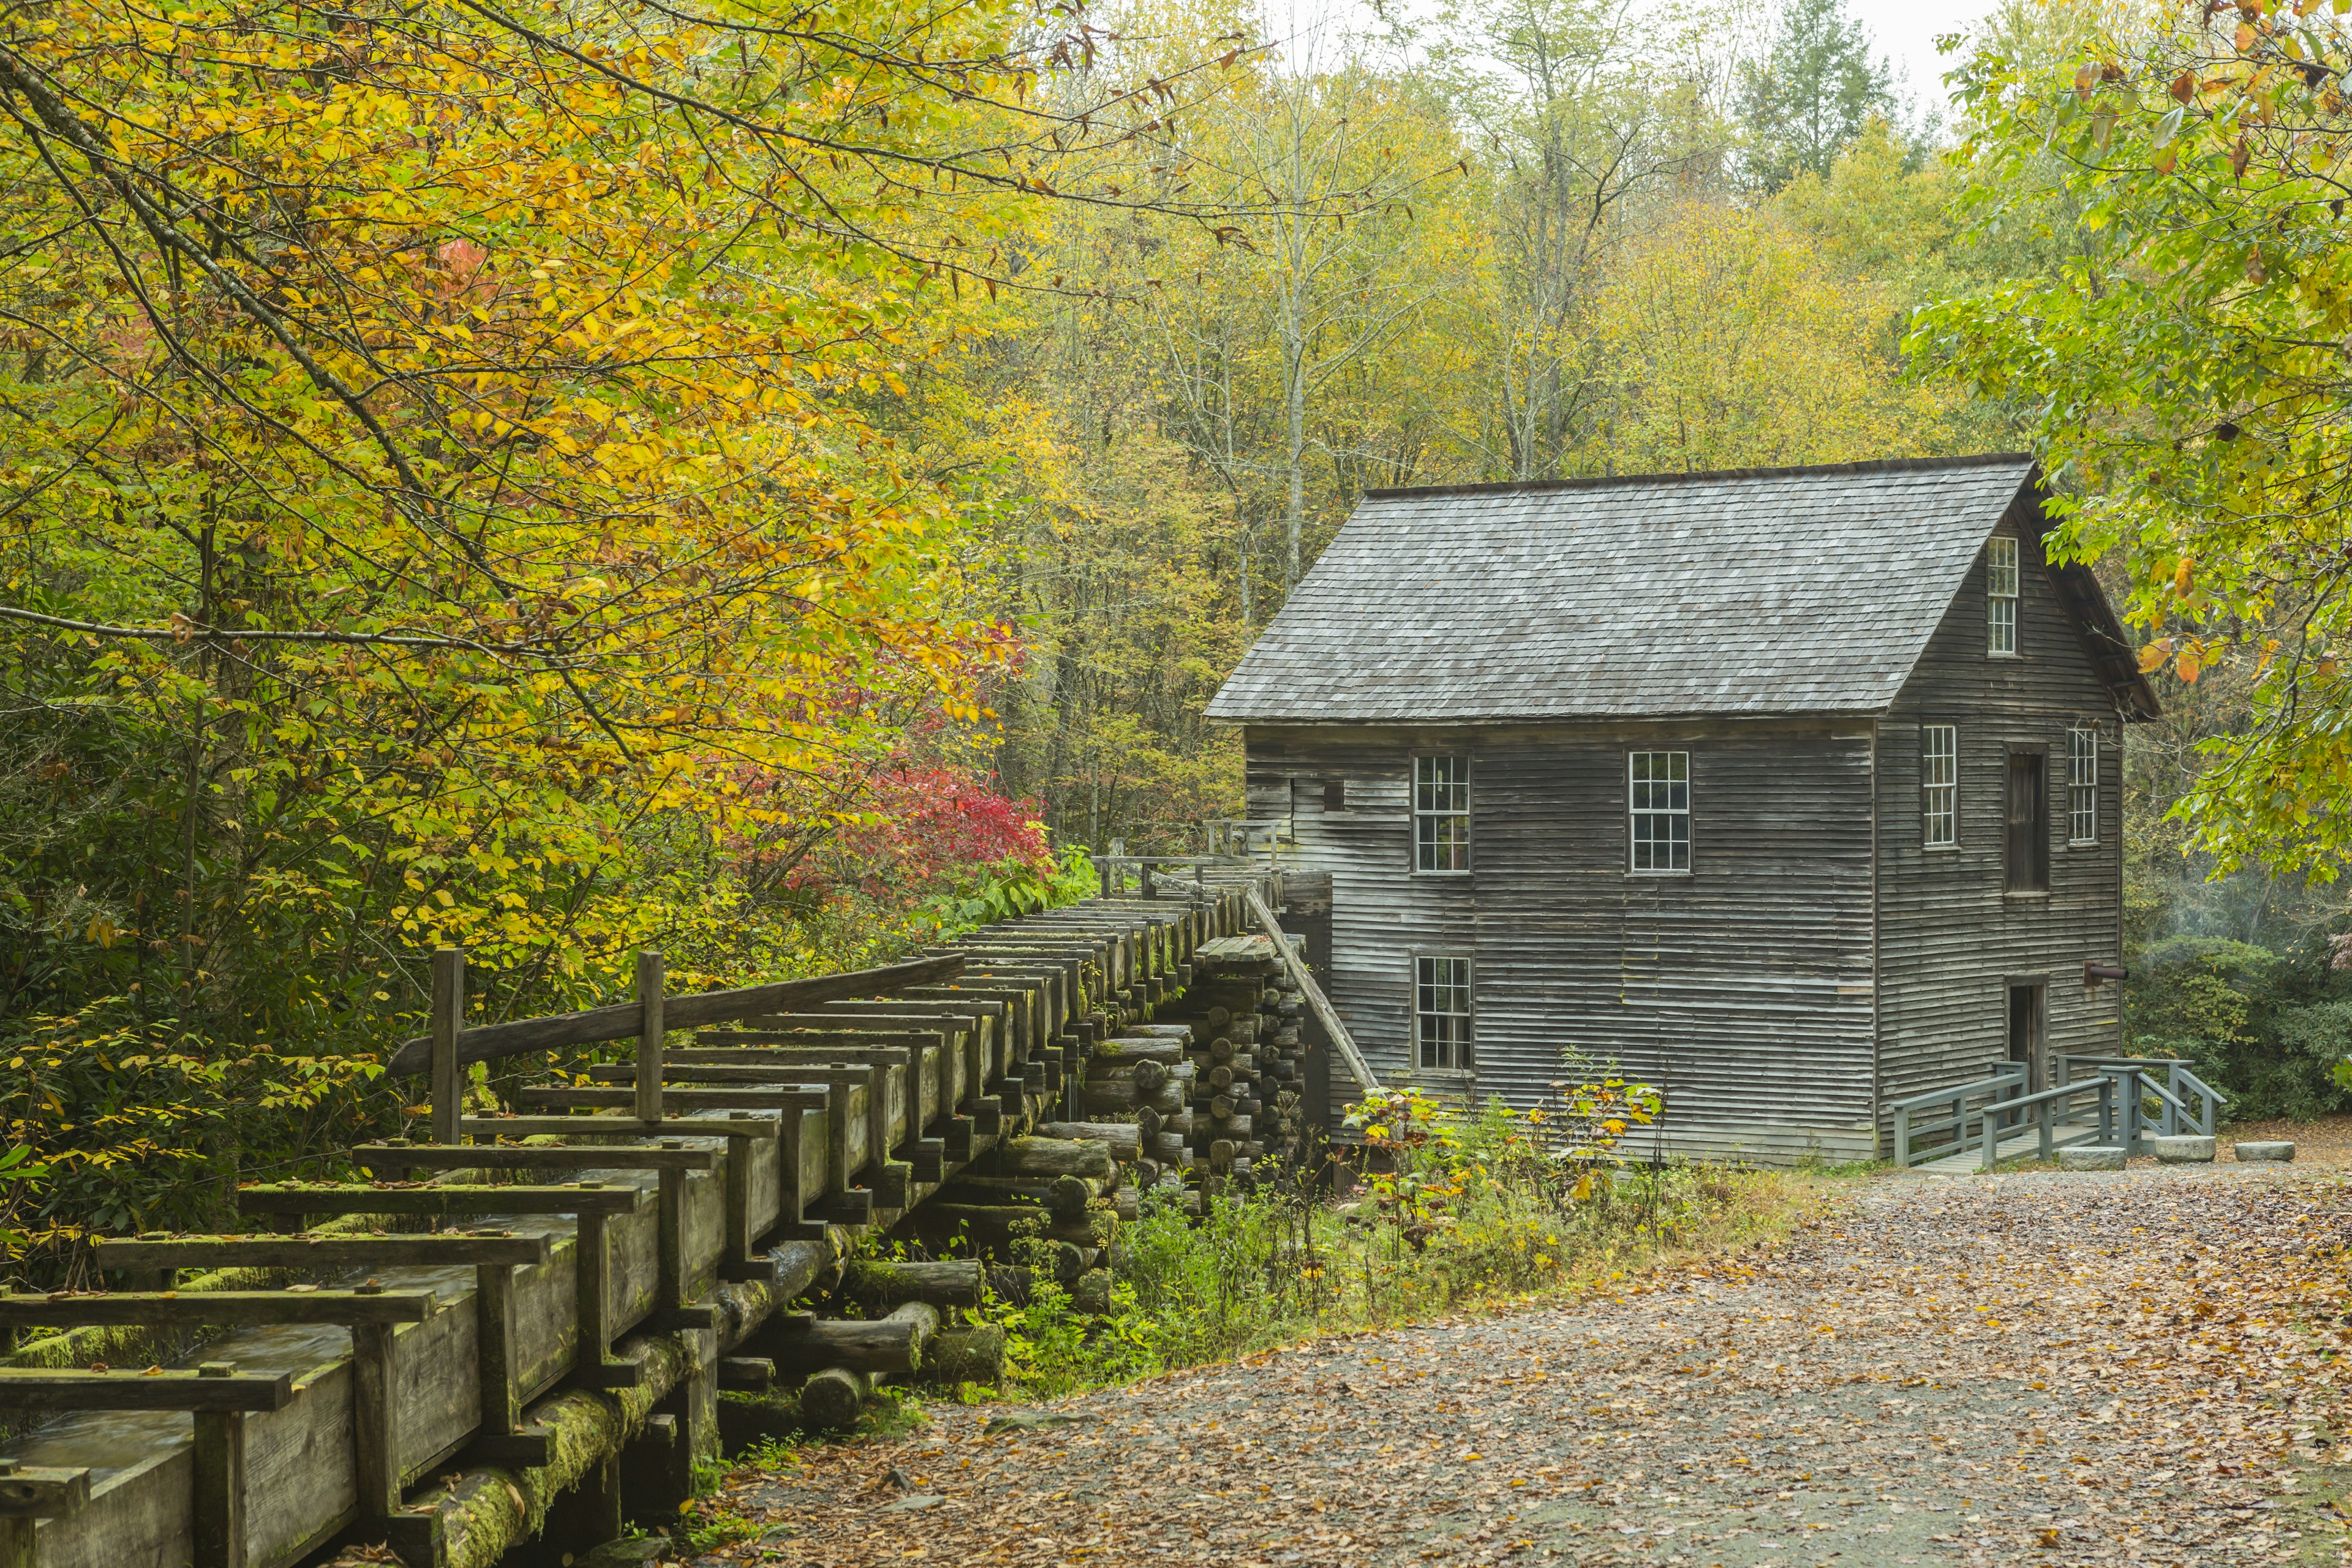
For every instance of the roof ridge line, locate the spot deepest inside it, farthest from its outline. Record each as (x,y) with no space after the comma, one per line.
(1599,481)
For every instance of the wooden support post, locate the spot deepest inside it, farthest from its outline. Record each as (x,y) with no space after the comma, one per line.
(792,1199)
(15,1539)
(448,1022)
(375,1419)
(669,1217)
(218,1511)
(589,1514)
(652,979)
(735,1259)
(588,1265)
(494,1347)
(836,1141)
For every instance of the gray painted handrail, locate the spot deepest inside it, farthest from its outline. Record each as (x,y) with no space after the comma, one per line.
(1955,1124)
(2040,1103)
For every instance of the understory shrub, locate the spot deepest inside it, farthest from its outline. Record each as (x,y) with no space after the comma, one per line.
(1461,1209)
(2265,1026)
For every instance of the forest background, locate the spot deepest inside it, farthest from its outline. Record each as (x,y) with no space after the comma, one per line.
(581,478)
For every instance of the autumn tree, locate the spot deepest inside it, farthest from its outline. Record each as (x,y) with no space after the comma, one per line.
(2185,373)
(459,486)
(1811,93)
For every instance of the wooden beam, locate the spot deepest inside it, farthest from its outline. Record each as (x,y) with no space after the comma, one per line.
(22,1390)
(1341,1040)
(620,1127)
(320,1251)
(580,1197)
(625,1020)
(785,1093)
(228,1309)
(535,1157)
(734,1042)
(439,1200)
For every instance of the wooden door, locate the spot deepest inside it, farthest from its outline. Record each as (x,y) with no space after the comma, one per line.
(2027,1035)
(2029,825)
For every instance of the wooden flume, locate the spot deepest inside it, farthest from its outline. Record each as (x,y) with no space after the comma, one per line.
(542,1308)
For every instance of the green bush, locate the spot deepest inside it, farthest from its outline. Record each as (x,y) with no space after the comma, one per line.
(2266,1027)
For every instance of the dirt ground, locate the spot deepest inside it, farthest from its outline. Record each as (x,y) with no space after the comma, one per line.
(2131,1368)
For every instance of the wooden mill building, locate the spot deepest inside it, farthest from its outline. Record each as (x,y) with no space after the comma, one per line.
(1794,790)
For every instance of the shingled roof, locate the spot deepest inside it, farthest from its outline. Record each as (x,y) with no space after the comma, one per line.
(1757,591)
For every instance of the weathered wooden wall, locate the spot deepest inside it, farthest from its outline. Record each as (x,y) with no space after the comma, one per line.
(1743,988)
(1950,939)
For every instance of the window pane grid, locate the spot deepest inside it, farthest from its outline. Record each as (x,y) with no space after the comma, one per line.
(1440,1011)
(2000,595)
(1939,784)
(1658,796)
(2083,786)
(1441,814)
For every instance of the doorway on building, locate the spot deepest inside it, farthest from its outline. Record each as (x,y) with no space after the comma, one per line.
(2027,1045)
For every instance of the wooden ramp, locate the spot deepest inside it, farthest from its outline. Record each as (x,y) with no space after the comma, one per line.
(2024,1145)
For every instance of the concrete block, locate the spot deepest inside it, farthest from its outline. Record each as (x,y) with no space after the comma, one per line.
(2252,1151)
(2181,1149)
(2090,1157)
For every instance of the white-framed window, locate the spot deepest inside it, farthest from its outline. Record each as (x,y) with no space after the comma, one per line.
(1441,814)
(1658,800)
(1440,1013)
(2082,785)
(1940,785)
(2000,595)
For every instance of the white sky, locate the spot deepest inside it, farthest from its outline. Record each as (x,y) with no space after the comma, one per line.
(1905,31)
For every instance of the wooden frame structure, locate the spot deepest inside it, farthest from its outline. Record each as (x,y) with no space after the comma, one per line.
(547,1310)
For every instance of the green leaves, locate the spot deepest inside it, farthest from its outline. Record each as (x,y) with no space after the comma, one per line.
(2183,377)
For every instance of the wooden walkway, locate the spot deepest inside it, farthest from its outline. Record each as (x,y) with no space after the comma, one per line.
(523,1336)
(2024,1145)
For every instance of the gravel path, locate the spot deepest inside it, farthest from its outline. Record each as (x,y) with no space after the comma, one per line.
(2135,1368)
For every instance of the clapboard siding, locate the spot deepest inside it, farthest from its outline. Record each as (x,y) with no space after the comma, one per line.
(1950,939)
(1742,989)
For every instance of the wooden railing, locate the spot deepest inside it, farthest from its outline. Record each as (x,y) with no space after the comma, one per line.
(1960,1109)
(2125,1099)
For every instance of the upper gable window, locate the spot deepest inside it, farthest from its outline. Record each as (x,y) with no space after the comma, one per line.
(1441,814)
(1658,795)
(2000,595)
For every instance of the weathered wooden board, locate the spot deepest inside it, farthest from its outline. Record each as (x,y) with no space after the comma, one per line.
(1741,988)
(300,1459)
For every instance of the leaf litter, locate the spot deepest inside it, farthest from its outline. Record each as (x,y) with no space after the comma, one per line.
(2142,1367)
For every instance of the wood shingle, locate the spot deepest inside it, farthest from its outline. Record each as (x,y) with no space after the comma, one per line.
(1759,591)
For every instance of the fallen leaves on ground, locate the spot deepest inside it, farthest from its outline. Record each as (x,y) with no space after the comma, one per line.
(2135,1368)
